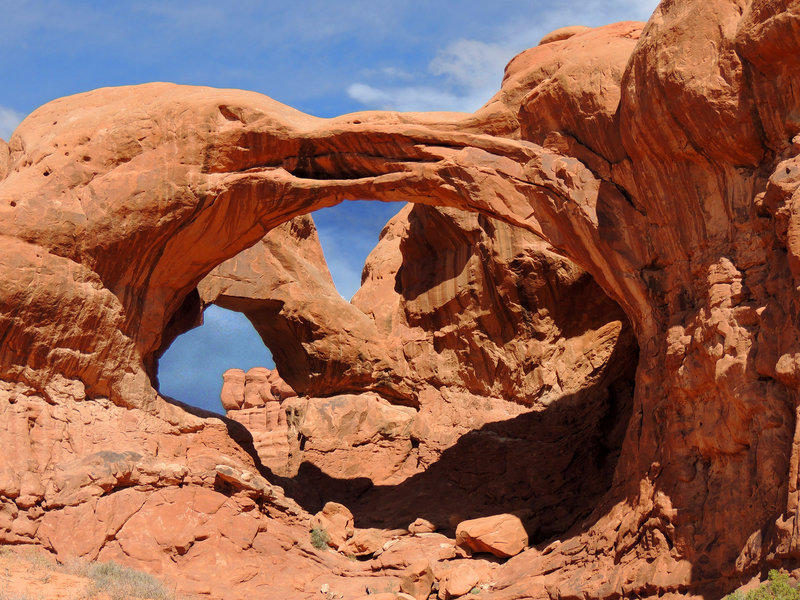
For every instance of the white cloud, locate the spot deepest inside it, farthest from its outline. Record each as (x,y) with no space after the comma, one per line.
(413,98)
(467,72)
(470,72)
(471,63)
(9,119)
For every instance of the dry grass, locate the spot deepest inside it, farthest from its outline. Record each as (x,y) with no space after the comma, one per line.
(108,579)
(319,538)
(121,582)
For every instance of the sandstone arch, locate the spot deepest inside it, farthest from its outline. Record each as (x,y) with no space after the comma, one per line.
(516,363)
(672,181)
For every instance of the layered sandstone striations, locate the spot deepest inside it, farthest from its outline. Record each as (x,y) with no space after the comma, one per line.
(663,161)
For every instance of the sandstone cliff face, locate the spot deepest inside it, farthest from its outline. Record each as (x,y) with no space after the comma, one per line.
(663,161)
(480,306)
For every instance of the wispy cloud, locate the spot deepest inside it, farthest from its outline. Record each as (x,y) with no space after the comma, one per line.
(470,63)
(9,119)
(465,73)
(415,98)
(468,71)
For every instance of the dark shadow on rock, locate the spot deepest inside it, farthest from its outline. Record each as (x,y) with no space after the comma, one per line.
(550,467)
(449,241)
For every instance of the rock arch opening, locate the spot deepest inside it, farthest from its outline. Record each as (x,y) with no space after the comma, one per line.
(348,232)
(218,339)
(191,368)
(475,371)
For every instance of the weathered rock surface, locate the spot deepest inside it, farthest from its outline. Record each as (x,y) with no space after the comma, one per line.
(459,580)
(142,492)
(156,496)
(418,580)
(449,300)
(232,393)
(253,399)
(661,160)
(282,284)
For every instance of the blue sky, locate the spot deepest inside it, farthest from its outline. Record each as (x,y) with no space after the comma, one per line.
(325,58)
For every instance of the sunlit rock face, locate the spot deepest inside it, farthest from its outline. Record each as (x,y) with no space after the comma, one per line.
(662,160)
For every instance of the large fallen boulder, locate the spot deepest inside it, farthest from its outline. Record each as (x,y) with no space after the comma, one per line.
(501,535)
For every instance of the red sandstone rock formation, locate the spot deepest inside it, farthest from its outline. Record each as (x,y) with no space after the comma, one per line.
(666,166)
(471,316)
(450,300)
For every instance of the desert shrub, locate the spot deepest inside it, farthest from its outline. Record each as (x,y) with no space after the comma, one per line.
(777,587)
(121,582)
(319,538)
(75,566)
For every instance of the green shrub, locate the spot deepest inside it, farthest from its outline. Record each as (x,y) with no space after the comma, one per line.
(319,538)
(777,587)
(121,582)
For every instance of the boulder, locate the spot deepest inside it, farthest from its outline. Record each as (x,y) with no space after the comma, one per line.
(501,535)
(417,580)
(337,521)
(459,581)
(421,526)
(366,542)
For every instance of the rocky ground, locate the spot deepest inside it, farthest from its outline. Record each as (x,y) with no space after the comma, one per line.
(344,494)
